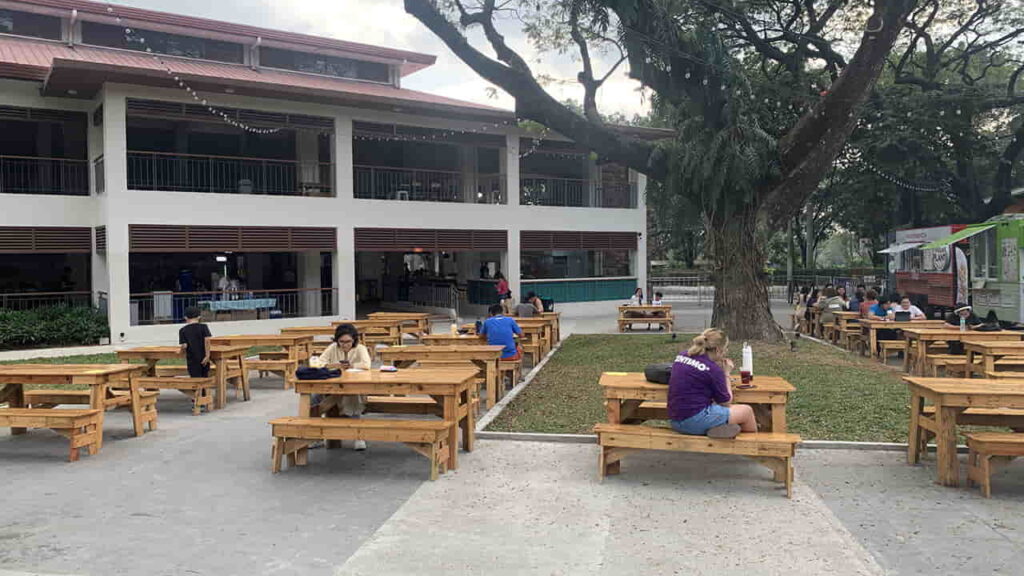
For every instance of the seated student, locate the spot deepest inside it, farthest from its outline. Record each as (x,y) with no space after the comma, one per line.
(906,306)
(868,302)
(637,299)
(880,311)
(831,304)
(192,338)
(525,310)
(346,353)
(502,331)
(536,302)
(657,299)
(854,304)
(971,321)
(699,394)
(841,292)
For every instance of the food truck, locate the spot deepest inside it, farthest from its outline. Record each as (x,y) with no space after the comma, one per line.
(935,279)
(995,265)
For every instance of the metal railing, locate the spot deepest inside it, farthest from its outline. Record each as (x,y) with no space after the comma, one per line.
(33,300)
(440,295)
(169,307)
(38,175)
(390,183)
(537,190)
(699,289)
(228,174)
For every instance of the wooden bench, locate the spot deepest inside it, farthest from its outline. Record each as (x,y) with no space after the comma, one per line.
(886,347)
(511,368)
(118,398)
(83,428)
(954,364)
(997,417)
(236,376)
(775,451)
(987,451)
(402,405)
(286,368)
(292,437)
(667,322)
(200,390)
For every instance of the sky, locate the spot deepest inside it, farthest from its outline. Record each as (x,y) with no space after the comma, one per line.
(385,23)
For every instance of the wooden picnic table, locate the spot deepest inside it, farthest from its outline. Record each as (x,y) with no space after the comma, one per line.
(100,378)
(990,352)
(415,323)
(298,347)
(919,338)
(453,340)
(449,387)
(647,313)
(629,396)
(485,357)
(389,326)
(221,355)
(870,328)
(950,397)
(538,333)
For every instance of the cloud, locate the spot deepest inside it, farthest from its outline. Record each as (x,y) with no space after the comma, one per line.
(385,23)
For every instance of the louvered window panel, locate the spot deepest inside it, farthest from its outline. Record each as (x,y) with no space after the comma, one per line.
(454,240)
(622,240)
(101,239)
(157,238)
(323,239)
(52,240)
(490,240)
(214,238)
(265,239)
(416,239)
(594,240)
(41,114)
(565,240)
(375,239)
(534,240)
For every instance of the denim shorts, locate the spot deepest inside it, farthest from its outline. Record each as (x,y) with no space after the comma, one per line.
(701,422)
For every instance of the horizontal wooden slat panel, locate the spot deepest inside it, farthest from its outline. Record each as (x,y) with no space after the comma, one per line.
(623,240)
(428,239)
(101,238)
(265,239)
(166,239)
(375,239)
(48,239)
(324,239)
(157,238)
(565,241)
(214,238)
(484,240)
(536,240)
(454,240)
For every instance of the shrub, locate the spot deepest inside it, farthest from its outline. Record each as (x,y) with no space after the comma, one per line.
(52,326)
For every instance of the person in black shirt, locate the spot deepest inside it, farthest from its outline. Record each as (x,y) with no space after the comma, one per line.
(953,321)
(192,338)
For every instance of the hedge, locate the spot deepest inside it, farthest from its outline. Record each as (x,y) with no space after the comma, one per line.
(51,326)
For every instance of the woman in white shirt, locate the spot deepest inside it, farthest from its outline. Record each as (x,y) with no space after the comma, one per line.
(346,353)
(906,306)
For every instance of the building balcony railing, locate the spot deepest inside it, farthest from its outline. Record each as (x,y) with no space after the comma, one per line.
(387,183)
(38,175)
(33,300)
(538,190)
(169,307)
(228,174)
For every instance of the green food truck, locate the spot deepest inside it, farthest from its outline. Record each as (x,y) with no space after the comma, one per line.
(996,282)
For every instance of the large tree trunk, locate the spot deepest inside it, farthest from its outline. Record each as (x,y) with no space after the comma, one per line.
(741,307)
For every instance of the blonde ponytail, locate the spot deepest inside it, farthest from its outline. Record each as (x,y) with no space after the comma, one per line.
(710,340)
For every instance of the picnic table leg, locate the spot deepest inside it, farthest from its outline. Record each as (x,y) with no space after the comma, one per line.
(613,407)
(945,443)
(451,414)
(469,422)
(914,434)
(779,418)
(491,381)
(990,364)
(15,395)
(305,406)
(98,401)
(873,339)
(150,367)
(222,383)
(133,391)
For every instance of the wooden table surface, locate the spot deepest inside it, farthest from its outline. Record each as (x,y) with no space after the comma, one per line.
(989,351)
(220,355)
(625,391)
(484,356)
(951,396)
(449,387)
(456,340)
(873,326)
(920,337)
(99,378)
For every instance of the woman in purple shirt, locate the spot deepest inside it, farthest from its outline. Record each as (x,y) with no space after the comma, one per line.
(699,395)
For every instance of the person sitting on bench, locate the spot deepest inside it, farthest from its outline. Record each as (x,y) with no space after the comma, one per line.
(346,353)
(699,395)
(502,331)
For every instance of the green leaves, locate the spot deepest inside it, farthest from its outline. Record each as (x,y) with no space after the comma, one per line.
(55,326)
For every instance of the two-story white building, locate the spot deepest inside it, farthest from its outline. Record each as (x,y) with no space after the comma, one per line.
(152,161)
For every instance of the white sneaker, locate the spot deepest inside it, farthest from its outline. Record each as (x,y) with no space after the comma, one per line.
(359,445)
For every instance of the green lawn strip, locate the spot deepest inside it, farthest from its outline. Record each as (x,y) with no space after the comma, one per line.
(108,358)
(839,396)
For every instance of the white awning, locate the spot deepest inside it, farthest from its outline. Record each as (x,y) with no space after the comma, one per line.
(900,247)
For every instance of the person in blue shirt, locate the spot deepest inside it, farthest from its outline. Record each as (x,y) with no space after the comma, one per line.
(501,330)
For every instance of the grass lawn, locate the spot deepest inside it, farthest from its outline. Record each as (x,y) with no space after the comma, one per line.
(838,396)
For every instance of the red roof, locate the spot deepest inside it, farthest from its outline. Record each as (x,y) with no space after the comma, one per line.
(85,68)
(412,61)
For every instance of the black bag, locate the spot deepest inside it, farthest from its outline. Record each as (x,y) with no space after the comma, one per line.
(658,373)
(549,304)
(987,327)
(307,373)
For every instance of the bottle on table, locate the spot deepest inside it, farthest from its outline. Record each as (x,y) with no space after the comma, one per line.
(747,367)
(963,324)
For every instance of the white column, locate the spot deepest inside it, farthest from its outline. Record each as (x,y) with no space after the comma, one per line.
(343,173)
(307,151)
(309,278)
(467,169)
(115,164)
(345,272)
(510,165)
(511,263)
(640,259)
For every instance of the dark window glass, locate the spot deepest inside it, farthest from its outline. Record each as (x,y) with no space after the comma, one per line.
(576,264)
(25,24)
(161,42)
(321,64)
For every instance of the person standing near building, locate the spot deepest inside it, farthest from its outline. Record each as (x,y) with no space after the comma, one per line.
(504,293)
(193,338)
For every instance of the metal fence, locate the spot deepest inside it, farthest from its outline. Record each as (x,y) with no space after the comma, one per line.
(226,174)
(33,300)
(388,183)
(538,190)
(698,288)
(169,307)
(32,175)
